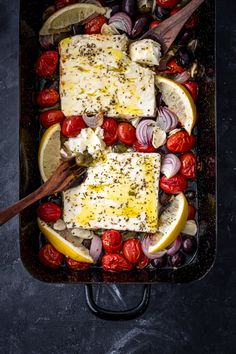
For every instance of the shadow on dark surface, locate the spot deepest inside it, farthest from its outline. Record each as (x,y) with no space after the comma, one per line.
(198,317)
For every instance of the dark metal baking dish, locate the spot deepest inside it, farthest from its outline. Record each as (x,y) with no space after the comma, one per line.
(200,264)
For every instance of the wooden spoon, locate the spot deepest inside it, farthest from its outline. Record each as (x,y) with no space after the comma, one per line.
(166,32)
(62,178)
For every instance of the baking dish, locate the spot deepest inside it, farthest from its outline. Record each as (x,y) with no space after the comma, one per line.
(199,265)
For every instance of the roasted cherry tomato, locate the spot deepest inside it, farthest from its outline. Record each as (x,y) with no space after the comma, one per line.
(94,26)
(155,23)
(180,142)
(110,127)
(72,126)
(50,257)
(63,3)
(172,67)
(173,185)
(167,3)
(143,262)
(192,21)
(49,212)
(47,63)
(132,250)
(143,148)
(191,212)
(126,133)
(47,97)
(192,87)
(72,264)
(50,117)
(112,241)
(188,165)
(115,262)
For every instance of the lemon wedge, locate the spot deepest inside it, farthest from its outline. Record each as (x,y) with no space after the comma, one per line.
(77,252)
(171,223)
(178,100)
(70,15)
(49,151)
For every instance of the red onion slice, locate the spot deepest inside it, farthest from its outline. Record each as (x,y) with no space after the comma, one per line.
(175,246)
(170,165)
(182,77)
(122,22)
(146,242)
(93,121)
(144,131)
(95,248)
(166,119)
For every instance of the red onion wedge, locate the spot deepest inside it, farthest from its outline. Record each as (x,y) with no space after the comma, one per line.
(170,165)
(93,121)
(144,131)
(166,119)
(182,78)
(146,242)
(122,22)
(175,246)
(95,248)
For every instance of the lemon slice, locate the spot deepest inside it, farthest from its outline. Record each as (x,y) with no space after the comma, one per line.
(49,151)
(70,15)
(171,223)
(68,248)
(178,100)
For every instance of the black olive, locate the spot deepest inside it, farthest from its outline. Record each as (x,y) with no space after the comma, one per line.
(189,244)
(159,262)
(184,57)
(54,198)
(177,260)
(162,13)
(190,195)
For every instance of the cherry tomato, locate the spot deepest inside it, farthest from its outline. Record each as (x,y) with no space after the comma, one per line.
(50,117)
(181,142)
(191,212)
(50,257)
(47,63)
(192,87)
(167,3)
(112,241)
(72,126)
(143,148)
(94,26)
(126,133)
(155,23)
(115,262)
(47,97)
(72,264)
(143,262)
(173,185)
(188,165)
(192,21)
(172,67)
(132,250)
(63,3)
(49,212)
(110,127)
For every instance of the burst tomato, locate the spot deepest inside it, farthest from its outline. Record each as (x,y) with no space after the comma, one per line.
(188,165)
(47,63)
(110,127)
(143,262)
(115,262)
(94,26)
(126,133)
(49,212)
(72,264)
(132,250)
(50,117)
(72,126)
(172,67)
(47,97)
(191,212)
(167,3)
(173,185)
(192,87)
(112,241)
(192,21)
(155,23)
(180,142)
(50,257)
(143,148)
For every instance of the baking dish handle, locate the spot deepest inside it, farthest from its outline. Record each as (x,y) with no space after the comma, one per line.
(129,314)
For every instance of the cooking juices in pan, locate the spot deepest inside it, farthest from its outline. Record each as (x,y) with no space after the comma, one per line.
(161,144)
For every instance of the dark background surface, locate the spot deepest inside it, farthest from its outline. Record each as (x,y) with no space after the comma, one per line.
(41,318)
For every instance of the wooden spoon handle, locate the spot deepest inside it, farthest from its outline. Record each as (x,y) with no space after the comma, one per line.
(19,206)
